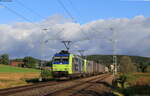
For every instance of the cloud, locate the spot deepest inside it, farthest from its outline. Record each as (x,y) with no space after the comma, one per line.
(28,39)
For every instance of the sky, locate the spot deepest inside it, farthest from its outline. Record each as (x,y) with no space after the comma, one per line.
(83,10)
(22,21)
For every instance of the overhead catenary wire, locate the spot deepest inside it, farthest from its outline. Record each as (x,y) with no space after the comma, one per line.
(91,27)
(34,12)
(71,16)
(23,17)
(75,8)
(20,15)
(77,11)
(28,8)
(16,13)
(66,10)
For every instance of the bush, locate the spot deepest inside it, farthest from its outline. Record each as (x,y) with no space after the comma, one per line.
(148,69)
(126,65)
(122,79)
(4,59)
(46,73)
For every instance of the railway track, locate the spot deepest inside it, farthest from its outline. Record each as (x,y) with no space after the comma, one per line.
(72,90)
(53,88)
(9,91)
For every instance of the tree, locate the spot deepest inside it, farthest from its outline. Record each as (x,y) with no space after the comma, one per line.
(19,59)
(126,65)
(4,59)
(143,66)
(30,62)
(49,63)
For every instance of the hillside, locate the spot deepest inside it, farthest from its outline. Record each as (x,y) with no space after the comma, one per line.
(105,59)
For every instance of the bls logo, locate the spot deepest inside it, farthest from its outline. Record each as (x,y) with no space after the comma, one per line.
(5,0)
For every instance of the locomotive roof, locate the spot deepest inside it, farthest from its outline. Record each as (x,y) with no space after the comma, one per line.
(65,54)
(61,54)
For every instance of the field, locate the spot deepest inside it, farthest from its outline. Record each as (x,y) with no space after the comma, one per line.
(137,84)
(14,76)
(139,79)
(6,68)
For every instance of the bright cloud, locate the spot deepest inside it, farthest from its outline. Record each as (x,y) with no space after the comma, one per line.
(25,39)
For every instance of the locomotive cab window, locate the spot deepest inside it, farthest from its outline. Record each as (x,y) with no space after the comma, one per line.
(57,60)
(61,60)
(65,60)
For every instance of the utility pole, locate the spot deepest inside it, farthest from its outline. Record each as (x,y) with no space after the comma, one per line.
(67,44)
(114,51)
(42,51)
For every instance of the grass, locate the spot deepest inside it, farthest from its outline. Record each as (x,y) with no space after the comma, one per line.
(11,83)
(16,79)
(137,84)
(15,76)
(138,79)
(6,68)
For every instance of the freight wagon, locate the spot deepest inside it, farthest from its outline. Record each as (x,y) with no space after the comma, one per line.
(65,64)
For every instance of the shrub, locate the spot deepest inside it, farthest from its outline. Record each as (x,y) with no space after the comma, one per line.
(46,73)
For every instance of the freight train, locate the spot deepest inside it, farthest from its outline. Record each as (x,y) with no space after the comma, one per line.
(65,64)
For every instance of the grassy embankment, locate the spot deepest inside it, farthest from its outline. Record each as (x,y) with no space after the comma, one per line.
(137,84)
(15,76)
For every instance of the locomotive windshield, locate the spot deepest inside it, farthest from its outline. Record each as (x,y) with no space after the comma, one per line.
(61,60)
(57,60)
(65,59)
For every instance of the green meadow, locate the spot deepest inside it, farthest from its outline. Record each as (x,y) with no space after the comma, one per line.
(6,68)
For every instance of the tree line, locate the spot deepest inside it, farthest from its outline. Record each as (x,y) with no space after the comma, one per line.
(125,63)
(28,61)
